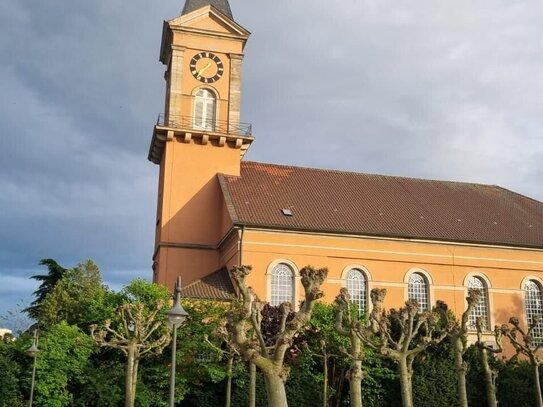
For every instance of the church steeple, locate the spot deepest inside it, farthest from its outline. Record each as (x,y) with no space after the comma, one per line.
(198,135)
(221,5)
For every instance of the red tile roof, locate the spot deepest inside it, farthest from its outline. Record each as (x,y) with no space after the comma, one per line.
(376,205)
(215,286)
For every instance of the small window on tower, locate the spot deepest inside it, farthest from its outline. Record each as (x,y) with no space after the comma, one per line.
(205,106)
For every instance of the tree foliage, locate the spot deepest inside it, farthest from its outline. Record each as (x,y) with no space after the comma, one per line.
(10,373)
(55,272)
(72,296)
(524,344)
(313,360)
(64,353)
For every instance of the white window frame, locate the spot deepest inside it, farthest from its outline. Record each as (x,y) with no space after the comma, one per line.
(418,289)
(273,268)
(482,309)
(208,118)
(533,306)
(356,282)
(429,286)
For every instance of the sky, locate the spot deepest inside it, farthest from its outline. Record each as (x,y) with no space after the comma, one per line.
(449,90)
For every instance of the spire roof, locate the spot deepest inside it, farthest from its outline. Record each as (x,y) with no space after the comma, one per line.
(222,5)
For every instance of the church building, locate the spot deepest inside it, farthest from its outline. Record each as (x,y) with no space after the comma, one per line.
(420,239)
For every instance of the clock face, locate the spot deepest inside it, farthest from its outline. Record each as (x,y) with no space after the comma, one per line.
(206,67)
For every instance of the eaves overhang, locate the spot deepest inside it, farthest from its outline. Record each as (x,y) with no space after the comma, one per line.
(399,237)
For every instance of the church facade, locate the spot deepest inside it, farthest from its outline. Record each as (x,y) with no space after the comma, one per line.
(419,239)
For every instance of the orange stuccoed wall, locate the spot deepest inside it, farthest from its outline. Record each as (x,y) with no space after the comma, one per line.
(195,235)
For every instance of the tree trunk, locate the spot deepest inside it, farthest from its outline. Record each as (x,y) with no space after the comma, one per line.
(405,381)
(355,383)
(489,379)
(460,366)
(325,381)
(355,374)
(539,401)
(135,377)
(252,384)
(229,381)
(128,386)
(275,389)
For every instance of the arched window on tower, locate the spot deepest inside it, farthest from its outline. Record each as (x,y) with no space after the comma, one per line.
(481,309)
(205,110)
(534,307)
(357,286)
(282,284)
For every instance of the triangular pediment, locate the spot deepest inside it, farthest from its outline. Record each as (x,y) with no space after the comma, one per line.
(209,19)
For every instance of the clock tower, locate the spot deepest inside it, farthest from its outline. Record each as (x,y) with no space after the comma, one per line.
(198,136)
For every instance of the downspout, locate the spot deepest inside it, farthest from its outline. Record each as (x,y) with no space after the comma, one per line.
(241,245)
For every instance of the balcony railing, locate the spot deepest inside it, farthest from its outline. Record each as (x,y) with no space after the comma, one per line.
(198,124)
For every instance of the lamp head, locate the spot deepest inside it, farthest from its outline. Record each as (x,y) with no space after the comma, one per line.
(177,314)
(33,350)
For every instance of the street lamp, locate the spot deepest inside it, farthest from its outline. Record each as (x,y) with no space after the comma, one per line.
(33,351)
(176,316)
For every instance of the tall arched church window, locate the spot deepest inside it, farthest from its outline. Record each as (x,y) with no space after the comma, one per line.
(481,309)
(282,284)
(417,289)
(534,307)
(205,110)
(357,286)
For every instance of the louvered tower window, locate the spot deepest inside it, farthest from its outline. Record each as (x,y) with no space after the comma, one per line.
(417,289)
(534,307)
(205,107)
(357,286)
(481,309)
(282,284)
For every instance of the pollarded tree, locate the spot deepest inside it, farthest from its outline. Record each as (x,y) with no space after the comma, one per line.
(347,327)
(137,328)
(246,319)
(401,335)
(525,345)
(484,350)
(458,332)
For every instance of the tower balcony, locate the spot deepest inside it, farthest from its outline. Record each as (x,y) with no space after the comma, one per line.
(188,128)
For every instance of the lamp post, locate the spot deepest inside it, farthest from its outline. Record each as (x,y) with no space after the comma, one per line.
(33,351)
(176,316)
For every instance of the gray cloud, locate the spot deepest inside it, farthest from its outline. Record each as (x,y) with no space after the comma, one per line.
(443,90)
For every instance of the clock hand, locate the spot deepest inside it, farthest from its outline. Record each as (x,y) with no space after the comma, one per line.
(205,68)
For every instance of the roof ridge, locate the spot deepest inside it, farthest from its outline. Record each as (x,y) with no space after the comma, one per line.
(401,177)
(518,194)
